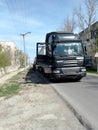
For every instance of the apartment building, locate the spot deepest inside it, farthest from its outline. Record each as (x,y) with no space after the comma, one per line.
(89,40)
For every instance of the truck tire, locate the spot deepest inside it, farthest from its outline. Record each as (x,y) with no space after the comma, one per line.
(41,70)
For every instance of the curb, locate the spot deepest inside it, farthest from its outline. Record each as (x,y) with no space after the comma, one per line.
(91,74)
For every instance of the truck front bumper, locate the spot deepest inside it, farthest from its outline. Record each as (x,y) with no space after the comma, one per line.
(69,73)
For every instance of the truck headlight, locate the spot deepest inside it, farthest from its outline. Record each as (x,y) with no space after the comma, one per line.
(56,71)
(60,61)
(79,58)
(83,70)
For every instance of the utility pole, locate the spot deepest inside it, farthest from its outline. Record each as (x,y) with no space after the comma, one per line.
(23,35)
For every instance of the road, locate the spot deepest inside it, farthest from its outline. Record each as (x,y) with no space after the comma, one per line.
(83,99)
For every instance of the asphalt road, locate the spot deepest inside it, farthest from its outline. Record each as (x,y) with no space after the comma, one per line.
(83,99)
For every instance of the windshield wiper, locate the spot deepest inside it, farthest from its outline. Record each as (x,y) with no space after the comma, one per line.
(62,55)
(79,54)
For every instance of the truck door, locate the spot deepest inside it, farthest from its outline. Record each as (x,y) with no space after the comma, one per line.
(40,55)
(41,50)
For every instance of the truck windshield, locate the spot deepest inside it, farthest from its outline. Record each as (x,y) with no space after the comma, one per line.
(68,49)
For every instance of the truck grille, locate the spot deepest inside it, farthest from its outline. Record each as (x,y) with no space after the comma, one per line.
(70,63)
(71,70)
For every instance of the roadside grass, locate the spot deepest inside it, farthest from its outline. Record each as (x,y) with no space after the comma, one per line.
(93,71)
(18,82)
(9,90)
(11,87)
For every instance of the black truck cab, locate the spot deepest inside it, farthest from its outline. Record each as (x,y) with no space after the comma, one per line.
(61,56)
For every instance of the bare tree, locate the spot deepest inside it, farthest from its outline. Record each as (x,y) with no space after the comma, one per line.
(87,14)
(69,24)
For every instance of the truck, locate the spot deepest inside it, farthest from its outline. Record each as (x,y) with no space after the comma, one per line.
(61,56)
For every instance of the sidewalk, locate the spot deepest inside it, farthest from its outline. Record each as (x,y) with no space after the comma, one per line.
(4,78)
(91,74)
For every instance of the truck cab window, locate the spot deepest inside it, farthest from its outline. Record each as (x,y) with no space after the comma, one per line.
(69,49)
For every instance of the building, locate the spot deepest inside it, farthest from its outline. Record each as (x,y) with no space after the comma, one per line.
(89,40)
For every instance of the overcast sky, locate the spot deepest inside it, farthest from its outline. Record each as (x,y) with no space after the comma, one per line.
(37,16)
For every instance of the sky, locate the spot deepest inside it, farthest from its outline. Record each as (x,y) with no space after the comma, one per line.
(36,16)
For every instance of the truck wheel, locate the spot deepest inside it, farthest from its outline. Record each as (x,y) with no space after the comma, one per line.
(41,70)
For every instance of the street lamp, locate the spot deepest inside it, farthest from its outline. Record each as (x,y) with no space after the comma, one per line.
(23,35)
